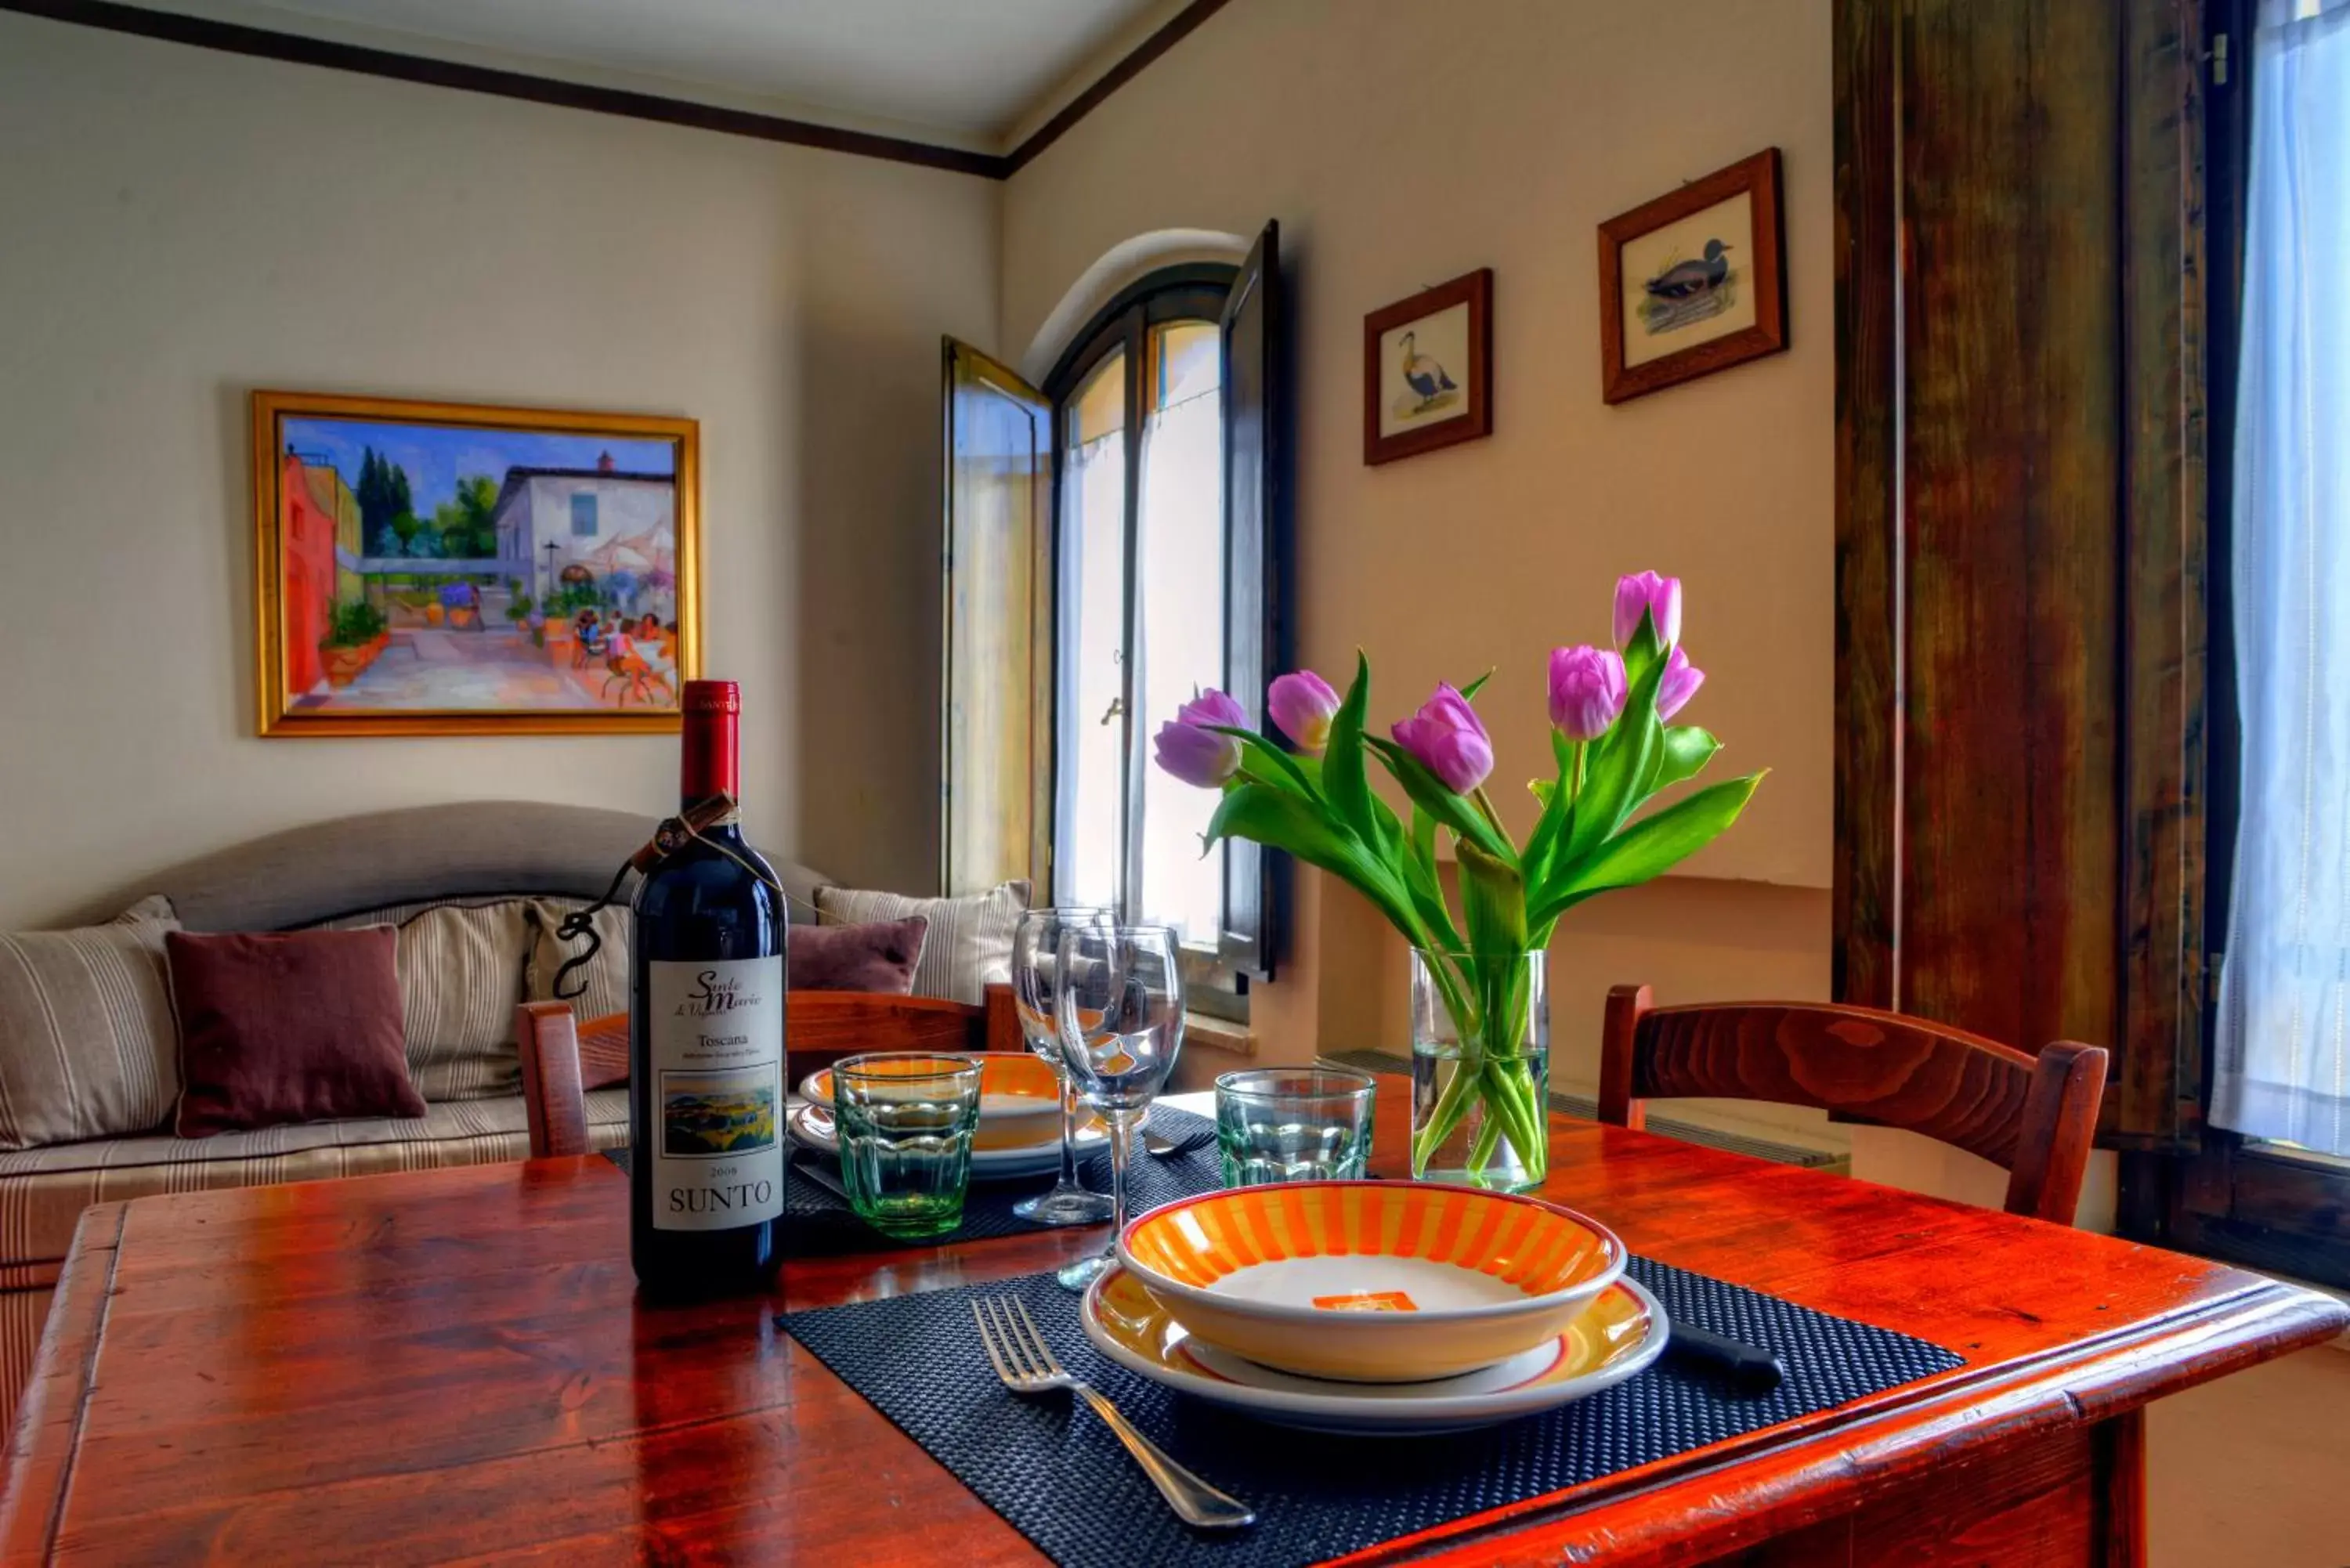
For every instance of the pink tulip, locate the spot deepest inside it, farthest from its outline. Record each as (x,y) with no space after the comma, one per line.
(1446,738)
(1679,684)
(1587,691)
(1198,755)
(1660,596)
(1303,704)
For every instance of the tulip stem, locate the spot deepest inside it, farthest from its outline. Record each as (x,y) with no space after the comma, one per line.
(1575,791)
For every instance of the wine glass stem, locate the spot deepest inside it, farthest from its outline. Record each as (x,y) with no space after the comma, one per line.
(1121,1147)
(1068,1129)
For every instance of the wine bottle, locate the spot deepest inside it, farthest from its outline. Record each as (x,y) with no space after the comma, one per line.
(706,1020)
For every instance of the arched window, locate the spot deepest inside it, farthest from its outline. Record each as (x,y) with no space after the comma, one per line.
(1138,404)
(1144,482)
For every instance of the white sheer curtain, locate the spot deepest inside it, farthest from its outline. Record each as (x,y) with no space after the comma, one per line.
(1182,551)
(2283,1048)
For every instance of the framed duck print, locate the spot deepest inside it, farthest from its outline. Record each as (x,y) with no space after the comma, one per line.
(452,569)
(1428,370)
(1693,282)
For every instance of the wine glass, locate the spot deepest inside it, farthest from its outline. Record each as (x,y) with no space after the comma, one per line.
(1120,1012)
(1036,968)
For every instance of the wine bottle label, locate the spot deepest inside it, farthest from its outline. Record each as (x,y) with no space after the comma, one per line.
(716,1036)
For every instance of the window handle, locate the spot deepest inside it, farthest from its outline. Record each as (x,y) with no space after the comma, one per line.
(1117,706)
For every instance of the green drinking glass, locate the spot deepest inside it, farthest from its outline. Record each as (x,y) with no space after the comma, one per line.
(905,1122)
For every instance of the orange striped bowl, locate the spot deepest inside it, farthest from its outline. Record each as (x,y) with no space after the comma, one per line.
(1371,1282)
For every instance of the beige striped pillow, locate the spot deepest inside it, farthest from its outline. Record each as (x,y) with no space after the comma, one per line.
(969,946)
(605,975)
(460,978)
(87,1044)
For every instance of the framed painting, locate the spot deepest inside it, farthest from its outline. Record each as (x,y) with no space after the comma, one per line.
(1428,370)
(447,568)
(1694,282)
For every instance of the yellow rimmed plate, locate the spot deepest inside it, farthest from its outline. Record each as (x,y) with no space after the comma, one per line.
(1019,1100)
(1619,1332)
(1371,1282)
(811,1126)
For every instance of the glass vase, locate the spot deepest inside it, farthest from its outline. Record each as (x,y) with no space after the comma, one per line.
(1479,1070)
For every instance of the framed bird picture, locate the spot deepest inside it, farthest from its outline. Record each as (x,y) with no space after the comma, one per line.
(1693,282)
(1428,370)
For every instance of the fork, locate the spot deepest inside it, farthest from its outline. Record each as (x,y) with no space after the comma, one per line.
(1026,1364)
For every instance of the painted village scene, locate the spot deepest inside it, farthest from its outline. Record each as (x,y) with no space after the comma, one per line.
(438,569)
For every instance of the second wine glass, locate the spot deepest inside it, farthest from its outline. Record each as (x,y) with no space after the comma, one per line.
(1035,969)
(1120,1015)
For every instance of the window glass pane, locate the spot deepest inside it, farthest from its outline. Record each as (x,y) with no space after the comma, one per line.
(582,514)
(1092,639)
(1181,547)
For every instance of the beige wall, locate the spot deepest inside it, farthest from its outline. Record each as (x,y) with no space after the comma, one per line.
(1399,146)
(179,226)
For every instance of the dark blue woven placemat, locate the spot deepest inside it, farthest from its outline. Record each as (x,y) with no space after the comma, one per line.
(1062,1480)
(817,1220)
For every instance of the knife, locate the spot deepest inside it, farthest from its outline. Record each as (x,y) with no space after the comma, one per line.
(1748,1368)
(821,1177)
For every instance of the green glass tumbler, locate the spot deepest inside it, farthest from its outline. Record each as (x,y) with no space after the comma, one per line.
(905,1123)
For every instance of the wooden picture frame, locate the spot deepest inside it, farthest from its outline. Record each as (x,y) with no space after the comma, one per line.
(1412,401)
(429,568)
(1678,279)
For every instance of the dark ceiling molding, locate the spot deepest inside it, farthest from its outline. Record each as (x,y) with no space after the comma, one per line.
(1176,29)
(295,49)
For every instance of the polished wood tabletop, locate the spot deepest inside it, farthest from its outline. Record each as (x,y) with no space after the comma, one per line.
(453,1365)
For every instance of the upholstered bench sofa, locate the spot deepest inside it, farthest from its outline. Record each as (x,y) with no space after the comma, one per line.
(386,867)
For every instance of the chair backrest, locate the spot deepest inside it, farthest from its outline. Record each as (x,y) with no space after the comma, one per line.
(561,1056)
(2035,1116)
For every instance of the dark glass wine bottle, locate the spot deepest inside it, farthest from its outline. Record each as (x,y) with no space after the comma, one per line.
(706,1041)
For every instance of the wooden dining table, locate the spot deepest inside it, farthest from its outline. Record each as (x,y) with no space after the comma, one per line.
(454,1365)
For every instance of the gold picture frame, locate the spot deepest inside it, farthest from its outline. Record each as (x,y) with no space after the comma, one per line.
(422,593)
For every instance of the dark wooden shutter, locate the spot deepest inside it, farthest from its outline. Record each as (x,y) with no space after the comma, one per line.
(2020,549)
(1256,568)
(996,767)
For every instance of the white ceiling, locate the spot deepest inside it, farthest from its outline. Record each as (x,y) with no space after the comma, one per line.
(965,69)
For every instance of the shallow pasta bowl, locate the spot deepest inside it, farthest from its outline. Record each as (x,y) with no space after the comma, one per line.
(1371,1282)
(1019,1100)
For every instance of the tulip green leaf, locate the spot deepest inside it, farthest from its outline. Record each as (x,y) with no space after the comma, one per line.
(1652,845)
(1616,765)
(1279,820)
(1687,750)
(1418,861)
(1343,781)
(1453,811)
(1492,903)
(1265,762)
(1469,693)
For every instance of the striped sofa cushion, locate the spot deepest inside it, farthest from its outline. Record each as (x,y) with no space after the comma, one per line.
(606,976)
(87,1044)
(967,946)
(461,967)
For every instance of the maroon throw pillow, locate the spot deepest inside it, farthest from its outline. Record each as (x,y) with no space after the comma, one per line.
(303,1026)
(878,955)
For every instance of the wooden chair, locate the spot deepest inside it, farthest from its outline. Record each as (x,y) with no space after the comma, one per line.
(562,1058)
(2034,1115)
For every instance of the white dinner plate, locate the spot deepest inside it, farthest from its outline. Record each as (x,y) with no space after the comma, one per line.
(1618,1334)
(811,1127)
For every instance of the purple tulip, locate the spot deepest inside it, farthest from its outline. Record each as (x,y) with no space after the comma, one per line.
(1446,738)
(1198,755)
(1303,704)
(1587,691)
(1680,683)
(1660,596)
